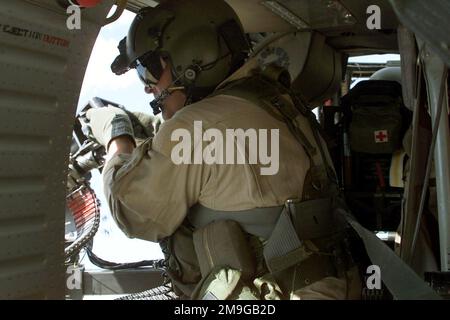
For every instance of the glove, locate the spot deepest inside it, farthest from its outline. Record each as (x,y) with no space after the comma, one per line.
(142,125)
(109,123)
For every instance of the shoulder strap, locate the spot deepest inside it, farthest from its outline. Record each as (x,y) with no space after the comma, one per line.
(274,99)
(268,97)
(399,278)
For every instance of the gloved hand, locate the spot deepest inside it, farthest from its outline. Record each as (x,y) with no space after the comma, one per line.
(142,123)
(144,126)
(109,123)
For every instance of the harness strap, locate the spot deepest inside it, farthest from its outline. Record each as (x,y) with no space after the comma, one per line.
(399,278)
(271,97)
(268,97)
(258,221)
(287,226)
(284,247)
(316,129)
(283,227)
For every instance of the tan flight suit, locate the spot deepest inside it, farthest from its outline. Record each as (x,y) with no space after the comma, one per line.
(150,196)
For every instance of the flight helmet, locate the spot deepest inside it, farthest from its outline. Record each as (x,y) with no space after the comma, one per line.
(203,41)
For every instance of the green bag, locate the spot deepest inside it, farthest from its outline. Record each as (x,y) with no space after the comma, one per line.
(376,129)
(376,119)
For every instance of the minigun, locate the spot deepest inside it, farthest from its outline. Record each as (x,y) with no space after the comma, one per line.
(86,154)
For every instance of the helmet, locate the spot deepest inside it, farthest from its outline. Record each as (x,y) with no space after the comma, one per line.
(388,73)
(203,41)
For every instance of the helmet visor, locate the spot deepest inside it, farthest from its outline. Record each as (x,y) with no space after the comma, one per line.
(149,68)
(145,76)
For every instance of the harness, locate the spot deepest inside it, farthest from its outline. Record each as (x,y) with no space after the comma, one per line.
(304,240)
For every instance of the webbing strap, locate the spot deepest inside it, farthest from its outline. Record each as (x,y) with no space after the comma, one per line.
(258,221)
(268,97)
(399,278)
(315,127)
(289,115)
(283,249)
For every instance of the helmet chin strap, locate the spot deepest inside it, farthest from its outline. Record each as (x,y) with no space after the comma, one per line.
(157,103)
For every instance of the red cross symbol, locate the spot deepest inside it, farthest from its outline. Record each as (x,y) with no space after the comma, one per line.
(381,136)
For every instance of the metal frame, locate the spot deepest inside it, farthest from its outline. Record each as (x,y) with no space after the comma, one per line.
(105,282)
(43,64)
(434,68)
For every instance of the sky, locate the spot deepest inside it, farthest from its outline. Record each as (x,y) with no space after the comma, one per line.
(376,58)
(110,243)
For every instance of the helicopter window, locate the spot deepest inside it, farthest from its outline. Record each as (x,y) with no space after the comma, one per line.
(365,65)
(109,242)
(375,122)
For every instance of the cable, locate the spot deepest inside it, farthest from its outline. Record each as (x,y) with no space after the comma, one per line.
(158,293)
(104,264)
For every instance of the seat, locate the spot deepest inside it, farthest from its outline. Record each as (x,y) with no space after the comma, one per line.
(375,121)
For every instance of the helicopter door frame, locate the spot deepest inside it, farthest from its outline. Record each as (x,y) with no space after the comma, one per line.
(435,74)
(43,65)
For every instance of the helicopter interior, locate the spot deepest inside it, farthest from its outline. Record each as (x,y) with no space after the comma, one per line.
(396,185)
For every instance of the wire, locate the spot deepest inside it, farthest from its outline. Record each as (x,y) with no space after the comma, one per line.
(104,264)
(211,64)
(158,293)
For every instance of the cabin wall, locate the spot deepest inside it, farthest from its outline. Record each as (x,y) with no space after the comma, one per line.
(43,65)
